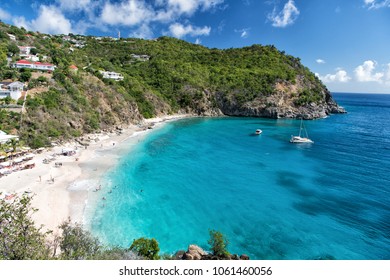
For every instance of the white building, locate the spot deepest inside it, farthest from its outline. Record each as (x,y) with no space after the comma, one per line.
(141,57)
(12,37)
(24,50)
(31,57)
(111,75)
(13,90)
(34,65)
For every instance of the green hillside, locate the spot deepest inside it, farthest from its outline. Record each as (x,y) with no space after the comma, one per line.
(160,77)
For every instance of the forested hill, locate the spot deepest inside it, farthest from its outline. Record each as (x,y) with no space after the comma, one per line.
(154,77)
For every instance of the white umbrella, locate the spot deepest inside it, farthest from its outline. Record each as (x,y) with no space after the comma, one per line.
(5,164)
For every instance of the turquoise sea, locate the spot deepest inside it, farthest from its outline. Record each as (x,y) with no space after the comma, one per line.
(270,198)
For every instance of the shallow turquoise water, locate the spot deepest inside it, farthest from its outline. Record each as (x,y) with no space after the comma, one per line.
(272,199)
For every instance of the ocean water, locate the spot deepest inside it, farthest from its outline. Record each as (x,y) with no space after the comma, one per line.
(270,198)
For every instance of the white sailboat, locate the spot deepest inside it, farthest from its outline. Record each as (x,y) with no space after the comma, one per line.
(301,138)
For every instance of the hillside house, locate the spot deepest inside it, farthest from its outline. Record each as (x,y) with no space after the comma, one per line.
(34,65)
(111,75)
(32,57)
(73,68)
(13,90)
(12,37)
(140,57)
(24,50)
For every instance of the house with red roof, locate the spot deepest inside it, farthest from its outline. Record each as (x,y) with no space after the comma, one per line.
(43,66)
(73,68)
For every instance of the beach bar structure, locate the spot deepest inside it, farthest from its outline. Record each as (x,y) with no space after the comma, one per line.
(5,138)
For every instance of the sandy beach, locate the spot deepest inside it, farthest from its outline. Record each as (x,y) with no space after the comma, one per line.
(62,192)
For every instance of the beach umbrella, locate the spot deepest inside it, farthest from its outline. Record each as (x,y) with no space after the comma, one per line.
(18,160)
(5,164)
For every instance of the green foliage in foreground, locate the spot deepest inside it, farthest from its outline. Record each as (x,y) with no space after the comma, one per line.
(147,248)
(218,243)
(21,239)
(76,243)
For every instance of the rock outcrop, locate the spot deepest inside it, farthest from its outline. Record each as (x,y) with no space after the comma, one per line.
(285,103)
(288,101)
(194,252)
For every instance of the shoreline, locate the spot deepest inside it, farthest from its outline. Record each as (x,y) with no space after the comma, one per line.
(64,192)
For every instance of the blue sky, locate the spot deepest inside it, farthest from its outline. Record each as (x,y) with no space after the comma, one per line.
(345,42)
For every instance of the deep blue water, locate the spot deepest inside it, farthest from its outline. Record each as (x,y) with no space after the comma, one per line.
(272,199)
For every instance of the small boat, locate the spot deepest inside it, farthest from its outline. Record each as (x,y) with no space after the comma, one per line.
(299,138)
(258,131)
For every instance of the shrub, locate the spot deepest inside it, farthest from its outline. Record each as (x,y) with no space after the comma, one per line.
(20,239)
(147,248)
(218,243)
(76,243)
(25,76)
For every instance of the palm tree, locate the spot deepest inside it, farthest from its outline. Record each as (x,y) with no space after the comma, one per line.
(13,144)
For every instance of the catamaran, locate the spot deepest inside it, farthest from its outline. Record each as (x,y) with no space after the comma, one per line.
(299,138)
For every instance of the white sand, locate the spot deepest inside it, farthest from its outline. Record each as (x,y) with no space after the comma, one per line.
(66,196)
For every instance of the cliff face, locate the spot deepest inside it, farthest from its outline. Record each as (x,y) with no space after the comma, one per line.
(282,104)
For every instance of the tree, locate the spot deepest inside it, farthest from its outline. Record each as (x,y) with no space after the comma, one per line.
(34,51)
(14,143)
(218,243)
(7,100)
(25,76)
(147,248)
(13,48)
(20,239)
(76,243)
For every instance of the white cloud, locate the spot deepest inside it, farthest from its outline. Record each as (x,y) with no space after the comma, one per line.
(21,22)
(221,26)
(178,30)
(388,73)
(285,17)
(188,7)
(244,33)
(183,6)
(50,20)
(73,5)
(139,15)
(128,13)
(4,15)
(365,72)
(144,31)
(376,4)
(320,61)
(340,76)
(198,41)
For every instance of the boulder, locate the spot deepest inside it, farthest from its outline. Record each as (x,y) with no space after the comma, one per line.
(194,252)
